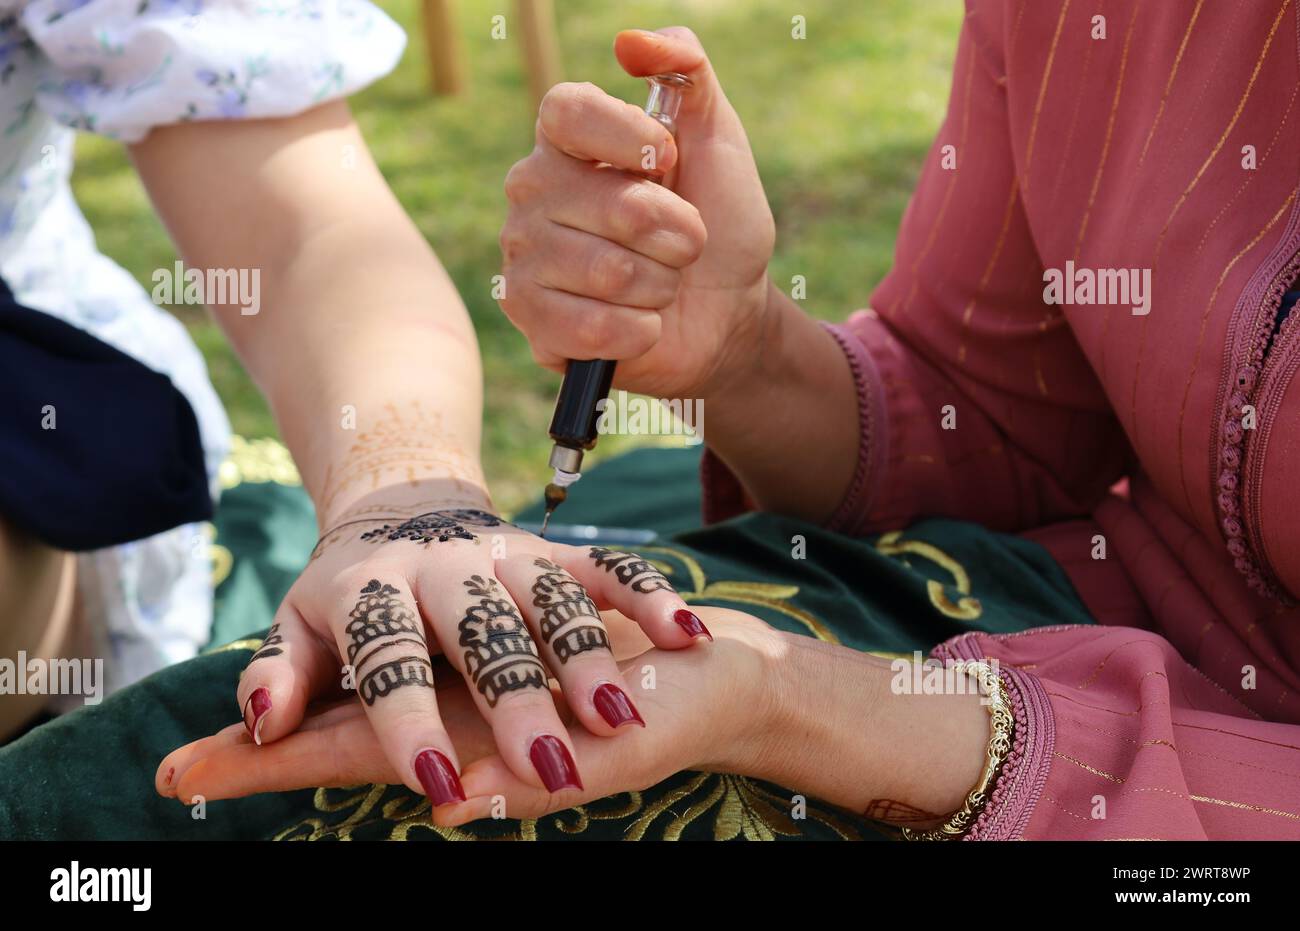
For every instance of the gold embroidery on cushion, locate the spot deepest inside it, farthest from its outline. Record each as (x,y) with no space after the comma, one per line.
(251,644)
(740,808)
(760,594)
(965,608)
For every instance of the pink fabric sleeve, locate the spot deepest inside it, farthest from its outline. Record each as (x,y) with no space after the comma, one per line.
(974,400)
(1118,738)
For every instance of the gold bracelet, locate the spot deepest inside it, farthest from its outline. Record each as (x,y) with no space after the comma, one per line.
(1002,724)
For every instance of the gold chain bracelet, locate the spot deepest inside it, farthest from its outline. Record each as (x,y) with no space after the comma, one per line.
(1002,724)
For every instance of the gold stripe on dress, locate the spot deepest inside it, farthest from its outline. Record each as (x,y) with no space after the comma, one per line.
(1042,93)
(1169,84)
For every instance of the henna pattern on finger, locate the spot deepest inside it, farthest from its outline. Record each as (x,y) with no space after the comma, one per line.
(500,654)
(439,526)
(395,674)
(381,615)
(381,618)
(631,570)
(567,611)
(270,646)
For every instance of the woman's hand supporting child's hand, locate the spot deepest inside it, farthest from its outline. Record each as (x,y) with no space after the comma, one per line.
(822,719)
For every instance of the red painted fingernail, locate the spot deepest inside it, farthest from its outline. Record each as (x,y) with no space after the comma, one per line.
(553,763)
(615,707)
(171,771)
(691,624)
(438,777)
(260,703)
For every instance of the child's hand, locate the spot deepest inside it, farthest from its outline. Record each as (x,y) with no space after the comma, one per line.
(397,581)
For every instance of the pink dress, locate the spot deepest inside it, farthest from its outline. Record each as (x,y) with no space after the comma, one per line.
(1168,146)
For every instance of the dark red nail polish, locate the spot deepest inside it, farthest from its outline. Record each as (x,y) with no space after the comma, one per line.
(691,624)
(171,771)
(438,777)
(615,707)
(553,763)
(260,704)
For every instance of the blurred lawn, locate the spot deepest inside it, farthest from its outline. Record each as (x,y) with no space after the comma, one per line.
(839,122)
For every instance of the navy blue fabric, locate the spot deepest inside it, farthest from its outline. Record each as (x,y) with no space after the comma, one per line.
(123,460)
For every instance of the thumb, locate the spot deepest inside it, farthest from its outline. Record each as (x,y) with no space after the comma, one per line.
(643,54)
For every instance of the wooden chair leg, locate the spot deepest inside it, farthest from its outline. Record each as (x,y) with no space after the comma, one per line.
(443,47)
(536,23)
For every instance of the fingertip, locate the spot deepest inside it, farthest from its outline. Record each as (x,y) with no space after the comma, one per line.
(690,624)
(256,708)
(188,782)
(164,780)
(643,53)
(437,777)
(460,813)
(616,708)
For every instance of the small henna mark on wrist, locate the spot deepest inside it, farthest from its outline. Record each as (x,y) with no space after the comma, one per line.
(895,812)
(500,654)
(631,570)
(567,611)
(436,526)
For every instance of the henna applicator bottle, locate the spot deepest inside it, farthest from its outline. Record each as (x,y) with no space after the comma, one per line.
(587,381)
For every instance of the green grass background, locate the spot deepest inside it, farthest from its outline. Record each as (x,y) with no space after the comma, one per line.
(839,122)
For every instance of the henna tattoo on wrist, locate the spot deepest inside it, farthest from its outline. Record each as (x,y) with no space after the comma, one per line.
(270,646)
(631,570)
(439,526)
(383,514)
(402,443)
(500,655)
(381,618)
(567,611)
(894,812)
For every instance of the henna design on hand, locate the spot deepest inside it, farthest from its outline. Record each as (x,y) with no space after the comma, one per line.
(270,646)
(439,526)
(393,675)
(567,608)
(385,513)
(631,570)
(500,654)
(380,617)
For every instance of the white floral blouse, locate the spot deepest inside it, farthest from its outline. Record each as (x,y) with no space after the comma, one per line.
(118,68)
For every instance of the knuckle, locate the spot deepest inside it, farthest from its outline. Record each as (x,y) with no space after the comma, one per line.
(512,240)
(687,233)
(695,234)
(611,272)
(595,332)
(563,107)
(662,291)
(522,305)
(533,700)
(522,183)
(633,212)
